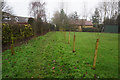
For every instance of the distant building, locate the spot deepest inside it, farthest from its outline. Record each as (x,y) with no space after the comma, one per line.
(21,20)
(82,23)
(111,28)
(9,18)
(88,24)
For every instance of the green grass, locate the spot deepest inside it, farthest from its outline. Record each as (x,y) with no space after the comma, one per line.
(41,54)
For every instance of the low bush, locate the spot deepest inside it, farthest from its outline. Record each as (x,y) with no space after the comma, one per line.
(90,30)
(19,31)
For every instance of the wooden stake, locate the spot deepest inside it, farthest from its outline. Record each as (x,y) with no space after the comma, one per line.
(69,38)
(95,56)
(65,35)
(74,43)
(12,49)
(12,45)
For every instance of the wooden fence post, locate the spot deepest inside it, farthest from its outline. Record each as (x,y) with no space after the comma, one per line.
(65,35)
(69,38)
(12,49)
(95,56)
(12,45)
(74,43)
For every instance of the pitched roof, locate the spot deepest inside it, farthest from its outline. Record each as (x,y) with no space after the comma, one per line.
(21,19)
(88,23)
(82,22)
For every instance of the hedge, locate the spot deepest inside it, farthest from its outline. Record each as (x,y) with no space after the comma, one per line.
(19,31)
(90,30)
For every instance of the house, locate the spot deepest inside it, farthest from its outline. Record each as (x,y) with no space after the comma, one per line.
(88,24)
(21,20)
(82,23)
(9,18)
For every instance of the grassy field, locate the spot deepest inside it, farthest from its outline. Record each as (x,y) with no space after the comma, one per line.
(50,56)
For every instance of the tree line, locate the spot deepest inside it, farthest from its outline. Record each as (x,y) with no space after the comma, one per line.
(105,13)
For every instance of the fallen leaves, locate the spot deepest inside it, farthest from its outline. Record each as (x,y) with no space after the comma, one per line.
(53,67)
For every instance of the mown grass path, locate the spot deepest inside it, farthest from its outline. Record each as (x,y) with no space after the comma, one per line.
(50,56)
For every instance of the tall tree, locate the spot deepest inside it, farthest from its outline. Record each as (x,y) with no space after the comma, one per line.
(60,19)
(108,9)
(63,18)
(56,19)
(74,18)
(37,10)
(95,17)
(112,20)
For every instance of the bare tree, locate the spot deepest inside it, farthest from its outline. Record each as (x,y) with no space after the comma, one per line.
(108,9)
(84,16)
(103,9)
(5,7)
(113,8)
(37,10)
(100,15)
(95,18)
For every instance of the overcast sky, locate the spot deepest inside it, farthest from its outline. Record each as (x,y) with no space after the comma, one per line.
(20,7)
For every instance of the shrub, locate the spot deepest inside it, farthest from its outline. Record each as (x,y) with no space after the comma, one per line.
(6,33)
(30,21)
(90,30)
(19,31)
